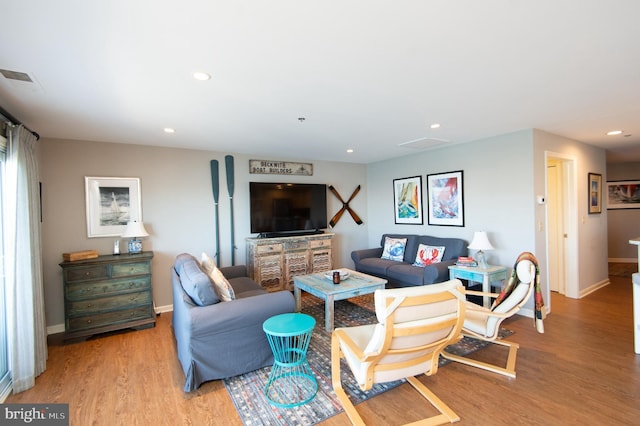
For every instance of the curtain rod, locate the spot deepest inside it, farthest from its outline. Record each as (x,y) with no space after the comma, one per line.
(16,122)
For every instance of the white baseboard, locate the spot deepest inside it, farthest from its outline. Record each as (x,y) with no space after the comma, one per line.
(594,287)
(55,329)
(163,309)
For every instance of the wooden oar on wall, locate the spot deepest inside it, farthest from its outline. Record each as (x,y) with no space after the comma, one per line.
(345,206)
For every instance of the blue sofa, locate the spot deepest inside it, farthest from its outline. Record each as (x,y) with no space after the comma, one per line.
(404,273)
(224,339)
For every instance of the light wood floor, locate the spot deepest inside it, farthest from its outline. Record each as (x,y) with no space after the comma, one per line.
(582,371)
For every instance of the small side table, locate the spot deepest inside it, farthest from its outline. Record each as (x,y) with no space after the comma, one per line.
(486,276)
(291,381)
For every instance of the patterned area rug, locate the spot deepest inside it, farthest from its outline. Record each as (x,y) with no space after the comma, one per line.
(247,390)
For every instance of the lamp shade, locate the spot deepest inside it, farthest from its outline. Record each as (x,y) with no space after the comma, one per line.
(135,229)
(480,241)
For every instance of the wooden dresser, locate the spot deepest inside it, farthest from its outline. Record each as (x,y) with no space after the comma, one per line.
(107,293)
(273,262)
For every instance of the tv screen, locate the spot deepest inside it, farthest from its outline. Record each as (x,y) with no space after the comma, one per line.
(287,207)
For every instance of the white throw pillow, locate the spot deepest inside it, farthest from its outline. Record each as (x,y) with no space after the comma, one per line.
(427,255)
(223,288)
(394,249)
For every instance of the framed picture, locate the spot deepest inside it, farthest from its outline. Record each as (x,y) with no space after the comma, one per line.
(445,199)
(623,194)
(595,193)
(407,200)
(111,202)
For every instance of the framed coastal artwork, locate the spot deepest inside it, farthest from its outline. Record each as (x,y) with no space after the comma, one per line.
(110,203)
(407,200)
(445,199)
(623,194)
(595,193)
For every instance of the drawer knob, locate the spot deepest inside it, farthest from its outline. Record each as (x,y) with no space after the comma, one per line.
(88,321)
(89,305)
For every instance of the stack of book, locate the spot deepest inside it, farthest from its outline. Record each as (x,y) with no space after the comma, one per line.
(466,261)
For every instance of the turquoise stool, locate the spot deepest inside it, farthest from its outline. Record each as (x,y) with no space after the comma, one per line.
(291,381)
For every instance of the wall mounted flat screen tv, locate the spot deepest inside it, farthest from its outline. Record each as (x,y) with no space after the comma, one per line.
(281,208)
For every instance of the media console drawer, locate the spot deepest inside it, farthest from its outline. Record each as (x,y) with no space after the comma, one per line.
(107,293)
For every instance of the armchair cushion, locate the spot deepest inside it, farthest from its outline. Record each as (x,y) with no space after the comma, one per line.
(197,284)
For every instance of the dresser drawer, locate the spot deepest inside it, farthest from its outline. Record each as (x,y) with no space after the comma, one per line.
(105,288)
(83,273)
(109,318)
(314,244)
(121,301)
(126,269)
(296,245)
(269,248)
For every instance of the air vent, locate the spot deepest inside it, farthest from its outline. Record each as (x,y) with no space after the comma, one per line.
(423,143)
(16,75)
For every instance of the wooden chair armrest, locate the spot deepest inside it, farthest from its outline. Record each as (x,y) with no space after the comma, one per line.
(481,293)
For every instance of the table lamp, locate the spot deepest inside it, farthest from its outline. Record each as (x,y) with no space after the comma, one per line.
(481,242)
(134,230)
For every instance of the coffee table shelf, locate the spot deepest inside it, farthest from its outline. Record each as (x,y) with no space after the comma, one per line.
(318,285)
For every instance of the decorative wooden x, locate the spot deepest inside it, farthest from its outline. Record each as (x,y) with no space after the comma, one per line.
(345,206)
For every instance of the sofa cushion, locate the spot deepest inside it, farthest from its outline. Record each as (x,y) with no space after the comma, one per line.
(245,287)
(428,254)
(393,249)
(196,283)
(376,266)
(408,275)
(223,288)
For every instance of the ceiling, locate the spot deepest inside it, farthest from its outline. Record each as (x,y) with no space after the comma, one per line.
(308,79)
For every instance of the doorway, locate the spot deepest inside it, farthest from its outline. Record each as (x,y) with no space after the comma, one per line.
(562,226)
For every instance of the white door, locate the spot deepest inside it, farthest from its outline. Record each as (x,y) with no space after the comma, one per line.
(555,203)
(562,226)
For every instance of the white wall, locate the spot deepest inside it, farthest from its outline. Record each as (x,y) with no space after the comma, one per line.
(591,228)
(498,193)
(177,206)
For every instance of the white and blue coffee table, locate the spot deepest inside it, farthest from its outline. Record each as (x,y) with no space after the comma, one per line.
(323,287)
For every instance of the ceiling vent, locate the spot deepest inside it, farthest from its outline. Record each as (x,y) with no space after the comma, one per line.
(423,143)
(16,75)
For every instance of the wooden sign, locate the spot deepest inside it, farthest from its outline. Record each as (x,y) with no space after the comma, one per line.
(268,167)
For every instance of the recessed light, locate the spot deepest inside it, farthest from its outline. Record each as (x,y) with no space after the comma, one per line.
(614,133)
(202,76)
(435,126)
(350,150)
(169,130)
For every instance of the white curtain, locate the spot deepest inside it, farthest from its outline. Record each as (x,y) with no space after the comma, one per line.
(26,324)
